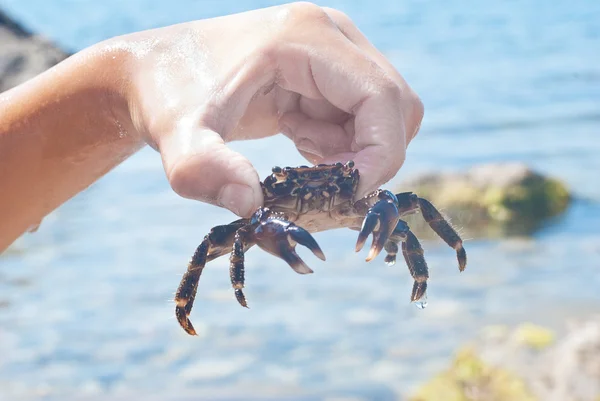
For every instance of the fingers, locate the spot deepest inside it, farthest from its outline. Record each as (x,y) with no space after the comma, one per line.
(325,142)
(360,107)
(352,81)
(317,138)
(350,74)
(200,166)
(411,104)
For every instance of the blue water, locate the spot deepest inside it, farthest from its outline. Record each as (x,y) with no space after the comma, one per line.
(85,303)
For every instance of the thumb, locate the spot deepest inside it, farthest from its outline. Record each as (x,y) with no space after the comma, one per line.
(200,166)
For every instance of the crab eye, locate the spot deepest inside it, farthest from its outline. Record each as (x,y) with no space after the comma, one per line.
(387,194)
(259,215)
(256,216)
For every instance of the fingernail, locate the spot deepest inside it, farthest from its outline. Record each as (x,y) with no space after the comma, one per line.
(308,146)
(238,198)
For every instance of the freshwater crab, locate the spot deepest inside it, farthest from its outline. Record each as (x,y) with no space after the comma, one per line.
(303,200)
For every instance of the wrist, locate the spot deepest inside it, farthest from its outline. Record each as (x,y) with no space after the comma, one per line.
(108,67)
(122,61)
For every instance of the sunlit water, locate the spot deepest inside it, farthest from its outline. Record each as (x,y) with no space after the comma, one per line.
(85,303)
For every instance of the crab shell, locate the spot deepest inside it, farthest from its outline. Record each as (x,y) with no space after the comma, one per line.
(316,198)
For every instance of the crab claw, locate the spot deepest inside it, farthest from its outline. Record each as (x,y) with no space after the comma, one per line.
(303,237)
(381,220)
(369,223)
(279,238)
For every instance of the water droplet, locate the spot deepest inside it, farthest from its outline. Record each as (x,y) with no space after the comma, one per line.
(34,227)
(421,303)
(390,262)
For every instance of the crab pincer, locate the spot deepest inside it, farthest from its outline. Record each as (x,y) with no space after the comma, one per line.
(381,220)
(279,237)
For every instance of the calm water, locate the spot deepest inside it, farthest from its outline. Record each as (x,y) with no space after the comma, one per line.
(85,303)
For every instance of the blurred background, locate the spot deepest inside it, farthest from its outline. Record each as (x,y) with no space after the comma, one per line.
(86,307)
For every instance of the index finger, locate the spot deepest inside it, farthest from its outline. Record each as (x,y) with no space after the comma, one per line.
(336,69)
(412,105)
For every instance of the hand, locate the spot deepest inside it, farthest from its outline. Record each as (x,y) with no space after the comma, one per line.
(299,69)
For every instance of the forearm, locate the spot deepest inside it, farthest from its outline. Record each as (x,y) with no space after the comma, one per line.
(59,133)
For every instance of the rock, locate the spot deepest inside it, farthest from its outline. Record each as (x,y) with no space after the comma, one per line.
(529,361)
(470,378)
(534,336)
(23,54)
(567,370)
(498,198)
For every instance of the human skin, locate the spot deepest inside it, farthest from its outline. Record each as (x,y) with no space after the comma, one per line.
(188,89)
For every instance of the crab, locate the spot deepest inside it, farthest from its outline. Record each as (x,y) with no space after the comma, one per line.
(302,200)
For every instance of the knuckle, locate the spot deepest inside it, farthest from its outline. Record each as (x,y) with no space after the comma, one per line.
(341,18)
(410,103)
(306,9)
(378,82)
(415,113)
(179,182)
(293,23)
(185,168)
(418,108)
(388,87)
(266,56)
(381,81)
(301,13)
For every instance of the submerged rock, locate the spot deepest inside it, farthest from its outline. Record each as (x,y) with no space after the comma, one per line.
(23,54)
(470,378)
(499,197)
(527,363)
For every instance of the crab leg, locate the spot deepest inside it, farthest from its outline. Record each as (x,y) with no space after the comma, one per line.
(391,248)
(413,255)
(438,224)
(409,203)
(216,243)
(381,220)
(391,245)
(242,242)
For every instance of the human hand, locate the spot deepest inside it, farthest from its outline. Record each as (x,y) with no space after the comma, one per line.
(299,69)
